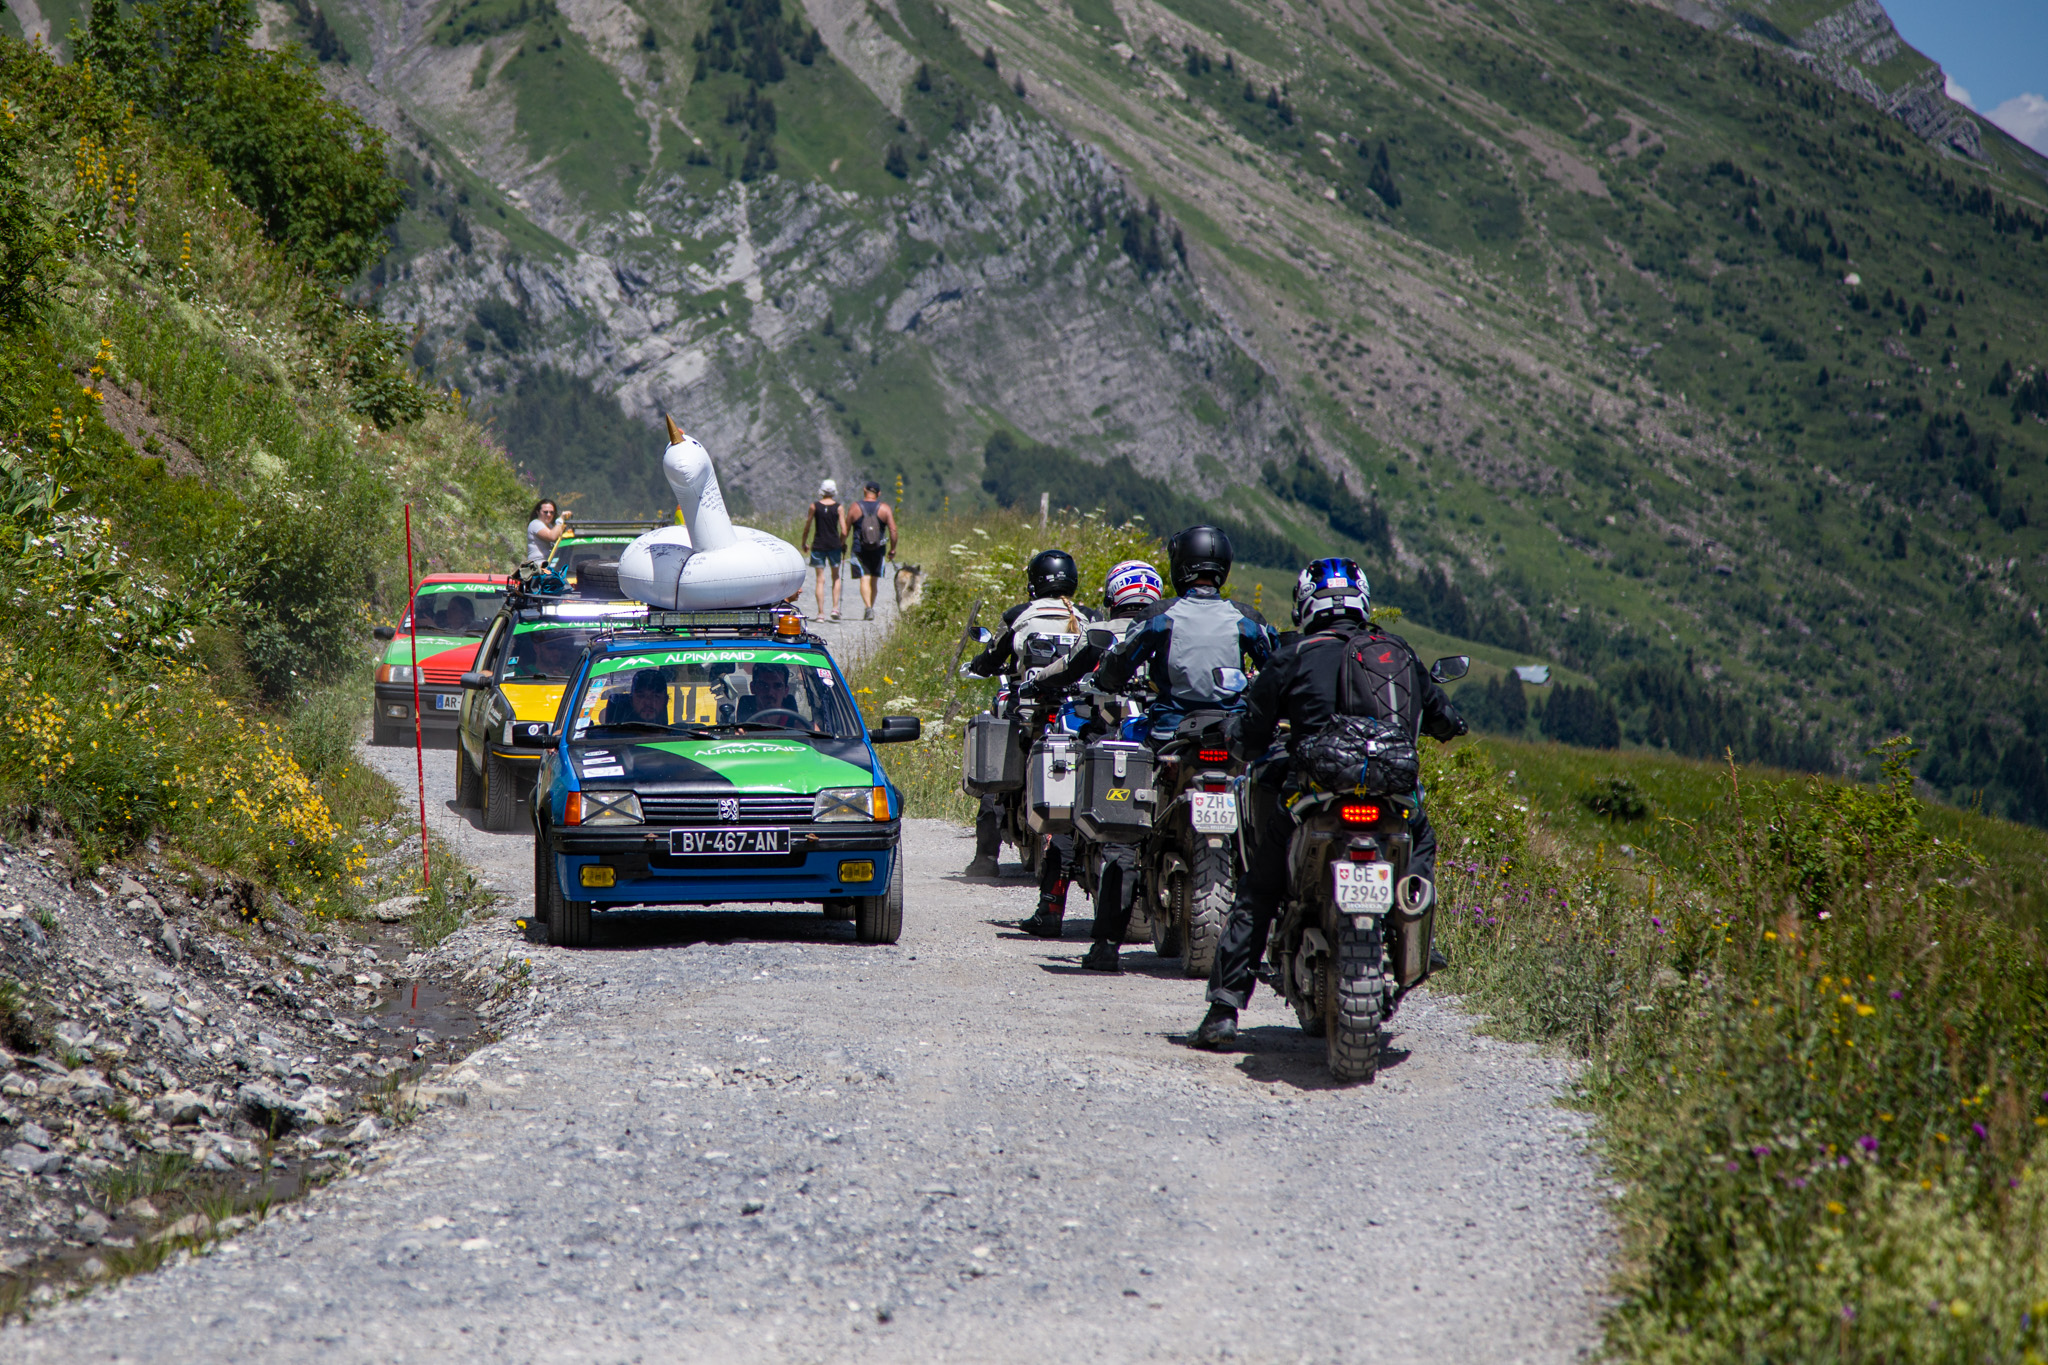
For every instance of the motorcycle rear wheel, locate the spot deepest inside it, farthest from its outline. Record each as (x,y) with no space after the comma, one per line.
(1212,885)
(1357,1005)
(1171,879)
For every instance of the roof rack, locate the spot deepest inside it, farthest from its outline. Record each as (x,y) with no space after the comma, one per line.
(782,622)
(584,529)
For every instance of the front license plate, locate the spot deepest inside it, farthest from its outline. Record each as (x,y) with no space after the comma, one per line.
(1363,887)
(1214,812)
(448,703)
(686,843)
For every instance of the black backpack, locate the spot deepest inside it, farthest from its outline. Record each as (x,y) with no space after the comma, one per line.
(1369,743)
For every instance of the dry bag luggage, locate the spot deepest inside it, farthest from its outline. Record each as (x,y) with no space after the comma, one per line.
(991,759)
(1049,783)
(1115,802)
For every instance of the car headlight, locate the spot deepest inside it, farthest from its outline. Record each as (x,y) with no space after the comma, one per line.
(851,803)
(394,673)
(606,808)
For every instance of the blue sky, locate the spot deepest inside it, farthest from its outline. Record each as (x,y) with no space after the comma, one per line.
(1995,50)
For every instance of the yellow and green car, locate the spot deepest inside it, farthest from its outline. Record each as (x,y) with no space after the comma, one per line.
(530,653)
(452,611)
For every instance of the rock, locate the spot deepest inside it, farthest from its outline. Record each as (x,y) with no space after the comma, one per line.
(191,1225)
(141,1210)
(30,1161)
(267,1108)
(168,942)
(14,1083)
(75,1037)
(366,1131)
(228,1227)
(154,1002)
(93,1225)
(35,1135)
(130,888)
(396,909)
(90,1087)
(183,1106)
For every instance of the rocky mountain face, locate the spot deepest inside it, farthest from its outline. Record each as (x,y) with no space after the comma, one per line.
(1695,347)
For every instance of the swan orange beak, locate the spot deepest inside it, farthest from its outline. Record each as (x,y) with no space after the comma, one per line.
(675,433)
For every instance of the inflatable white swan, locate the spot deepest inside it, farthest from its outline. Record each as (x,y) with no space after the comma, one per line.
(707,563)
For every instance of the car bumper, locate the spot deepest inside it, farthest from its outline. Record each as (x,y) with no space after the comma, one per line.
(644,874)
(394,706)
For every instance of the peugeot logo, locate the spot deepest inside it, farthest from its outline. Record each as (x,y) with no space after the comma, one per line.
(729,808)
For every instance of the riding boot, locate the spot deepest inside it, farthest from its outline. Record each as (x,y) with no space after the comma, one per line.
(988,842)
(1052,900)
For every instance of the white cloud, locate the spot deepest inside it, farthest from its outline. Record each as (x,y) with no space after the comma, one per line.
(2026,118)
(1956,92)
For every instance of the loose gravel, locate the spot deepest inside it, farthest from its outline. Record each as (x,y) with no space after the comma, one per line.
(739,1135)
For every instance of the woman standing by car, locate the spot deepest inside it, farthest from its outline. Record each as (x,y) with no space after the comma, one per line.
(543,529)
(830,547)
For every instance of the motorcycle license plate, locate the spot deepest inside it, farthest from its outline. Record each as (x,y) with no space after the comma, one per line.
(1214,812)
(1363,888)
(685,843)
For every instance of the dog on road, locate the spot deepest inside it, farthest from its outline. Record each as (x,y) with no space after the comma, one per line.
(909,585)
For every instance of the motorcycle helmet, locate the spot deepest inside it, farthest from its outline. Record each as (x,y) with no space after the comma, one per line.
(1051,573)
(1199,550)
(1131,584)
(1329,589)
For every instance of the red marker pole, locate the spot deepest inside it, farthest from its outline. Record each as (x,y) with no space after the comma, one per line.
(419,744)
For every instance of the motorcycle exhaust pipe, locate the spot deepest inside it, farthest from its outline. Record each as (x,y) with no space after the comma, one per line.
(1414,897)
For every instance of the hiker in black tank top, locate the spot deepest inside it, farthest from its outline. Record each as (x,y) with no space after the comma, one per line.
(871,527)
(827,524)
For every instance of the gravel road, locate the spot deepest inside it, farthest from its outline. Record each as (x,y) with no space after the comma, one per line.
(741,1136)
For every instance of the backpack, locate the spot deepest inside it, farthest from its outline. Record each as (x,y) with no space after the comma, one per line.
(870,528)
(1369,743)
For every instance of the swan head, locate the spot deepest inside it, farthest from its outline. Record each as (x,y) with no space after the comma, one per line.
(687,466)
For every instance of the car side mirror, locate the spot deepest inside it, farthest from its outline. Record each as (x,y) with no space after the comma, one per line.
(475,679)
(1451,667)
(1231,680)
(898,730)
(385,632)
(1100,638)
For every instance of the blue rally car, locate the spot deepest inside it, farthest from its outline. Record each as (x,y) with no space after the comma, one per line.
(701,758)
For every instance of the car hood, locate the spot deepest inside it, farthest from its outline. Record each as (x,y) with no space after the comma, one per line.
(436,651)
(736,763)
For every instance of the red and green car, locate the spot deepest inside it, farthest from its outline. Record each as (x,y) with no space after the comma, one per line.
(453,610)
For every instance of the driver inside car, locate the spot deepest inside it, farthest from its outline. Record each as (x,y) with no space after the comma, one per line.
(768,693)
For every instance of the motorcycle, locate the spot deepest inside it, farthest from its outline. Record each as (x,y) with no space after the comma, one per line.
(1354,935)
(1022,750)
(1192,859)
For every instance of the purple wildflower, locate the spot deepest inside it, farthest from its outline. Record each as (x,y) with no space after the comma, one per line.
(1733,1167)
(1978,1129)
(1899,994)
(1867,1143)
(1760,1151)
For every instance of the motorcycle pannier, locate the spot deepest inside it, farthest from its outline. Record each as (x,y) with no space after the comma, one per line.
(1049,783)
(1116,800)
(991,760)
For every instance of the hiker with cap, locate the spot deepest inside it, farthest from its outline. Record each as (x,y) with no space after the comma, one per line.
(825,521)
(871,525)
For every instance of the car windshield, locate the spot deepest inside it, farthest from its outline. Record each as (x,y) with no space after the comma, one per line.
(455,608)
(725,690)
(543,651)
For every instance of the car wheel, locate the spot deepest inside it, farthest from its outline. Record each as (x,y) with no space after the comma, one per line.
(879,919)
(570,927)
(466,783)
(841,908)
(501,792)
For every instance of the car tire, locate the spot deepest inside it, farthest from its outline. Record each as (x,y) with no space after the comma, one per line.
(567,921)
(570,927)
(842,908)
(501,792)
(879,919)
(466,783)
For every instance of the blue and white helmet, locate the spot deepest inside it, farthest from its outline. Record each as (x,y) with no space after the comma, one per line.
(1328,589)
(1132,583)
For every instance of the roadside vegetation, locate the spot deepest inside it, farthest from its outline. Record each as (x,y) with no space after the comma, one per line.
(203,454)
(1810,1012)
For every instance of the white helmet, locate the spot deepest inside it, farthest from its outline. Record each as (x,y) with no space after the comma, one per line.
(1132,583)
(1328,589)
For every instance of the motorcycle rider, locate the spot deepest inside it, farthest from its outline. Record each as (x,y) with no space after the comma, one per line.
(1131,594)
(1052,580)
(1300,686)
(1198,632)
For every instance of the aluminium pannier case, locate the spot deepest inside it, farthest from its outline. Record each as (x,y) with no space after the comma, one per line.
(1049,780)
(1115,802)
(991,759)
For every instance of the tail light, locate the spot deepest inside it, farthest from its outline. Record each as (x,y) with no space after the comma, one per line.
(1215,755)
(1359,813)
(1215,786)
(1368,854)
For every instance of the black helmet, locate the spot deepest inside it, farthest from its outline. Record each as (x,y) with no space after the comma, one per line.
(1199,550)
(1052,574)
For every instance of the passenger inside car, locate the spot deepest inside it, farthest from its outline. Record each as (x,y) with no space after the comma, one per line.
(768,696)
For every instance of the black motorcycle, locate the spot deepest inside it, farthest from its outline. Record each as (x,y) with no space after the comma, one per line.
(1192,859)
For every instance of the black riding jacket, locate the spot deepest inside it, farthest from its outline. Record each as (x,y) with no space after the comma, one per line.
(1299,685)
(999,656)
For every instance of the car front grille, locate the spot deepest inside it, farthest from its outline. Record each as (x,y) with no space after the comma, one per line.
(678,810)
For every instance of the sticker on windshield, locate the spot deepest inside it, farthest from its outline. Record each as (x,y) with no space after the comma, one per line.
(825,676)
(670,658)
